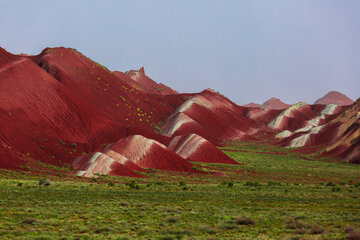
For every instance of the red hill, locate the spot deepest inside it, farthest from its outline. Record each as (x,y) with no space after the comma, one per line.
(148,153)
(61,107)
(197,149)
(275,103)
(334,97)
(146,84)
(252,105)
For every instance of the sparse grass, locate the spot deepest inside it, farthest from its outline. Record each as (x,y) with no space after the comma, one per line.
(266,197)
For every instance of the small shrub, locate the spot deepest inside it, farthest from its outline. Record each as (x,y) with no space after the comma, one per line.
(353,236)
(102,230)
(182,183)
(336,189)
(44,182)
(19,184)
(167,237)
(271,183)
(294,224)
(252,184)
(207,230)
(29,221)
(300,231)
(133,185)
(230,184)
(123,204)
(317,230)
(245,221)
(93,179)
(111,184)
(73,145)
(330,184)
(300,217)
(349,229)
(171,220)
(229,225)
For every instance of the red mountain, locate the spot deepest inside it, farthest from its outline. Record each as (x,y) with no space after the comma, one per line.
(274,103)
(61,107)
(334,97)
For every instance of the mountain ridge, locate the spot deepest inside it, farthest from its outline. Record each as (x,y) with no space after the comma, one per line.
(60,107)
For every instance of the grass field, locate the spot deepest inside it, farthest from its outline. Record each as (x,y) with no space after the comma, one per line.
(268,196)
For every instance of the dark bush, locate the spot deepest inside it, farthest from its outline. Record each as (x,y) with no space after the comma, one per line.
(349,229)
(245,221)
(182,183)
(29,221)
(123,204)
(300,231)
(171,220)
(252,184)
(44,182)
(292,224)
(330,184)
(133,185)
(316,230)
(353,236)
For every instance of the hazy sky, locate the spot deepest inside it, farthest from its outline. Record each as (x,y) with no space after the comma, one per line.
(247,50)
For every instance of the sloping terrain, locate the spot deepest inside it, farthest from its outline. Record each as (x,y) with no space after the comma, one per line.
(146,84)
(197,149)
(272,103)
(275,103)
(334,97)
(346,143)
(227,119)
(62,108)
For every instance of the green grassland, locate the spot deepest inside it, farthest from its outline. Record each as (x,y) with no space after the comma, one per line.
(266,196)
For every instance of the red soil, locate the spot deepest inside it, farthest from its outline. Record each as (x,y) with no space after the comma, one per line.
(147,84)
(103,164)
(148,153)
(59,104)
(197,149)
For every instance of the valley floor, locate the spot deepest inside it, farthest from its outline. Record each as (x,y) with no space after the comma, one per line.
(272,194)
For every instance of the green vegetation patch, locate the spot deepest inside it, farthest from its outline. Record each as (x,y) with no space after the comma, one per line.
(265,197)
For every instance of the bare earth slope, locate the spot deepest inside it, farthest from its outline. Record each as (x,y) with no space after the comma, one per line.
(60,107)
(334,97)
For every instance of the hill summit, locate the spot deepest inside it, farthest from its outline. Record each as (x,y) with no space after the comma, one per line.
(335,97)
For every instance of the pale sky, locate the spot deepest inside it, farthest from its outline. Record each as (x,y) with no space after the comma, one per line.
(249,51)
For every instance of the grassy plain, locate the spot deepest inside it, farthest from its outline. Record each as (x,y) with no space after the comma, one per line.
(267,196)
